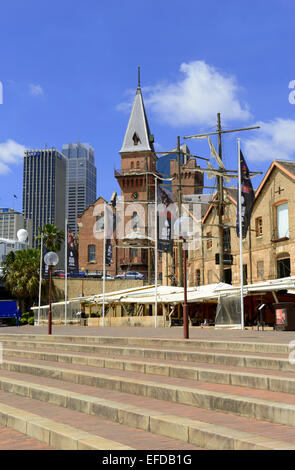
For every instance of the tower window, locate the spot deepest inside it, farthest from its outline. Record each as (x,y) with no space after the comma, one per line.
(135,138)
(134,220)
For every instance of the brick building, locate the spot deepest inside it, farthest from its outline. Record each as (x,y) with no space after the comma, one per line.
(136,181)
(268,249)
(91,239)
(133,248)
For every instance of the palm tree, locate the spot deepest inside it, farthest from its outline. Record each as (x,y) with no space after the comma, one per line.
(21,275)
(52,237)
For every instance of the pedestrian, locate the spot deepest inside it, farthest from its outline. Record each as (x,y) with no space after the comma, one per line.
(17,317)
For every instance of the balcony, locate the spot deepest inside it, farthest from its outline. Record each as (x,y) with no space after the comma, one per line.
(138,170)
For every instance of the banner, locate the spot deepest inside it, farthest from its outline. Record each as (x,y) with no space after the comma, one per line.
(73,260)
(247,198)
(165,222)
(109,217)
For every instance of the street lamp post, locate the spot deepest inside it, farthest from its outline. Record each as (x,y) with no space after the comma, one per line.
(50,259)
(185,304)
(83,274)
(181,229)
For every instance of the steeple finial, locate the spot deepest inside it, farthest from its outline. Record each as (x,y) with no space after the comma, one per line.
(138,78)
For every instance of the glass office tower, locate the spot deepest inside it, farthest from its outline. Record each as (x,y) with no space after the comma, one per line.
(81,180)
(44,189)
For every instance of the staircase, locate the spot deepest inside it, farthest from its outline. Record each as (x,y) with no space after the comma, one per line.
(79,392)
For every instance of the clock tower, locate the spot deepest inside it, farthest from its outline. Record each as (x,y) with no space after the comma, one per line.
(136,180)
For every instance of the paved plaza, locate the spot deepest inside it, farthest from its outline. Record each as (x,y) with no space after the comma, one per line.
(196,333)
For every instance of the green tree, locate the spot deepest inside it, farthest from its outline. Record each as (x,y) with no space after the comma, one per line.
(52,237)
(21,276)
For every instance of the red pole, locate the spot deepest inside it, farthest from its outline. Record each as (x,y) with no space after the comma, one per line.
(185,305)
(49,311)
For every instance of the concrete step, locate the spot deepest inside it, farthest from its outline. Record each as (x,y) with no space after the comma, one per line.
(273,407)
(259,379)
(105,434)
(57,435)
(207,394)
(174,426)
(233,360)
(191,344)
(14,440)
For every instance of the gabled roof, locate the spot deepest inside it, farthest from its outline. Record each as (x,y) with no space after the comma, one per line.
(100,198)
(137,137)
(231,194)
(285,166)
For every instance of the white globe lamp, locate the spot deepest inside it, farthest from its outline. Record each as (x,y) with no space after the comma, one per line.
(51,258)
(22,235)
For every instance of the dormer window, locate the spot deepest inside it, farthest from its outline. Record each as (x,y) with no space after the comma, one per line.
(135,138)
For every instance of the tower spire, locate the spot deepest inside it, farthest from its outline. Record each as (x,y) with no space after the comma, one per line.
(138,78)
(138,137)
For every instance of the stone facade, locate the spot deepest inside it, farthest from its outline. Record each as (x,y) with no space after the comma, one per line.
(269,248)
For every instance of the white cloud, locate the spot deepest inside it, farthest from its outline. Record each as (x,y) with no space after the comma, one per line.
(275,141)
(36,90)
(196,98)
(10,153)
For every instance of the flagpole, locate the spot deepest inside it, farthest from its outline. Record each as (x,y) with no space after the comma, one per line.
(66,268)
(40,278)
(156,252)
(241,235)
(104,265)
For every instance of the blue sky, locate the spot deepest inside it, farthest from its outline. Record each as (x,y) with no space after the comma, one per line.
(69,73)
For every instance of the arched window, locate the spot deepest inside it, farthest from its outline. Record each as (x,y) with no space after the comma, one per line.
(282,220)
(283,265)
(99,223)
(134,221)
(132,165)
(135,139)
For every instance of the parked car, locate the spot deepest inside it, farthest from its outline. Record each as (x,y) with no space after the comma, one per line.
(109,277)
(59,273)
(87,273)
(134,275)
(120,276)
(130,275)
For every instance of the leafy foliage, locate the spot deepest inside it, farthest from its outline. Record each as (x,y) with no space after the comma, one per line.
(52,237)
(21,274)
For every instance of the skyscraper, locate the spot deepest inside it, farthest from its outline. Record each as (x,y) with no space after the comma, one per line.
(44,189)
(11,222)
(81,180)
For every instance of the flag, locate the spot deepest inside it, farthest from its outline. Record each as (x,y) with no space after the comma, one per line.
(72,252)
(165,241)
(247,198)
